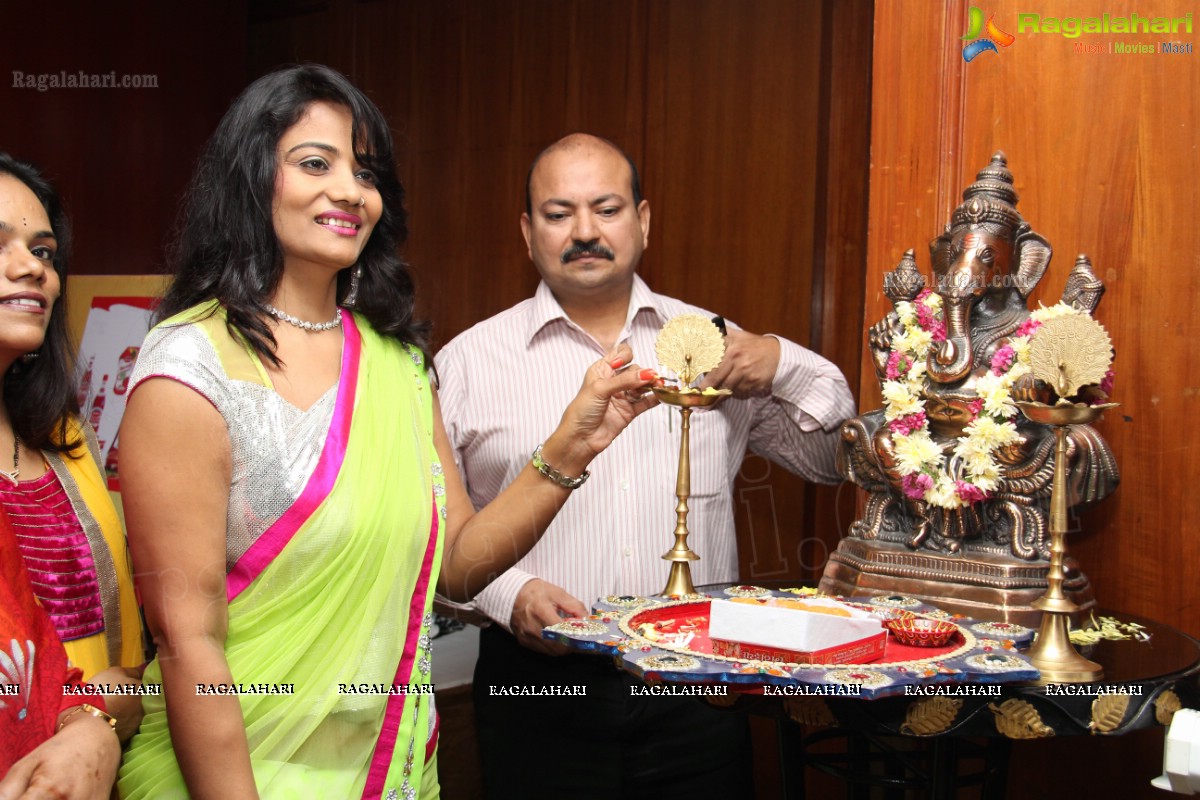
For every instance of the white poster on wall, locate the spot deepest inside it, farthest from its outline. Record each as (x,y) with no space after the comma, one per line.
(112,336)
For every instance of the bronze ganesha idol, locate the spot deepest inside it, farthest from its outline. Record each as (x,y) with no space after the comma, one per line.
(970,535)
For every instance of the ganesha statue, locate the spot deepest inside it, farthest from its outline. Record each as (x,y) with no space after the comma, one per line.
(958,482)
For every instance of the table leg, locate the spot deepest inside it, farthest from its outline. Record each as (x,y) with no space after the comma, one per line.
(996,755)
(791,759)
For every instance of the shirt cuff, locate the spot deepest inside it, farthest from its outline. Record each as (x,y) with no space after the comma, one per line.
(498,599)
(463,612)
(814,385)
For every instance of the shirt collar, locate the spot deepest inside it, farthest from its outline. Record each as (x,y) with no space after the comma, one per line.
(546,309)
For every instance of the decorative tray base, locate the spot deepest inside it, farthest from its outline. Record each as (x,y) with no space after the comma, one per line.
(667,640)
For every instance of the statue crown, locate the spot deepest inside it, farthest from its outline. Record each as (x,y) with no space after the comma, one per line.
(990,199)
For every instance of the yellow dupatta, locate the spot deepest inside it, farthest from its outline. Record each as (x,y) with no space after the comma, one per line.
(120,643)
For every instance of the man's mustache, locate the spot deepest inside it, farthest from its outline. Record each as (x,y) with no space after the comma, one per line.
(581,249)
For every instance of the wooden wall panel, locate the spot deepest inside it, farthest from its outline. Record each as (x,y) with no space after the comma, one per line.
(732,159)
(840,228)
(1111,173)
(121,157)
(732,140)
(486,91)
(914,137)
(283,32)
(1103,150)
(473,91)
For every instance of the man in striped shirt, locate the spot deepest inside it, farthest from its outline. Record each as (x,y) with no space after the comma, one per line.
(502,386)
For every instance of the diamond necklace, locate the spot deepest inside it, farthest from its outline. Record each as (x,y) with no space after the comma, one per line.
(315,327)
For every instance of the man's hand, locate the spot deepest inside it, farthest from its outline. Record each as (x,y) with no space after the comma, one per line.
(539,604)
(79,762)
(749,365)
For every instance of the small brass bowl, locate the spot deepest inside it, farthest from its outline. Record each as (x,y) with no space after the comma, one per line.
(920,632)
(1063,413)
(673,396)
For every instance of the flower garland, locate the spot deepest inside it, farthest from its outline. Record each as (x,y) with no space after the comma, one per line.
(971,473)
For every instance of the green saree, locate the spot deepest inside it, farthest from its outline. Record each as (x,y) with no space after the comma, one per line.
(334,545)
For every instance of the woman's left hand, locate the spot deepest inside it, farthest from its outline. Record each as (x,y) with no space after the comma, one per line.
(79,762)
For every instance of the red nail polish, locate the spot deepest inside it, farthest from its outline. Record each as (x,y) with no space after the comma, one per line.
(616,363)
(647,374)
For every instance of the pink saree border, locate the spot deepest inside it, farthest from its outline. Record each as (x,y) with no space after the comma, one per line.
(385,745)
(275,538)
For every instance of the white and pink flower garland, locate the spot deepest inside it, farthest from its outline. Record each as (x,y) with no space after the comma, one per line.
(971,472)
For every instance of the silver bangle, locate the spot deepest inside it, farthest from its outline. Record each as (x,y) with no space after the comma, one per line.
(550,472)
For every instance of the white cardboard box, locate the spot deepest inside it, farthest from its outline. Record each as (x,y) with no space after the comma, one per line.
(795,634)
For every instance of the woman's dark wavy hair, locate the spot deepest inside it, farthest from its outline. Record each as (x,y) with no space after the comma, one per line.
(40,395)
(226,246)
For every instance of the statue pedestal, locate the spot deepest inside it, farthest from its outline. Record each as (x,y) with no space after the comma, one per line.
(977,585)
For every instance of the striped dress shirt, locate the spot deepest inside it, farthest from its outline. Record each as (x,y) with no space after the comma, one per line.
(503,386)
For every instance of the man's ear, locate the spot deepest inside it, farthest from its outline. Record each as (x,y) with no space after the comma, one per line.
(526,231)
(643,212)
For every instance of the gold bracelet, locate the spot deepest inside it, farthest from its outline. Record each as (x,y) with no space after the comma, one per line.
(91,710)
(550,472)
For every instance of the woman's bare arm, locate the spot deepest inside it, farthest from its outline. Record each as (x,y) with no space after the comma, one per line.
(175,474)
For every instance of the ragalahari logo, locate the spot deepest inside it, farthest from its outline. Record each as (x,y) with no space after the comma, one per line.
(975,28)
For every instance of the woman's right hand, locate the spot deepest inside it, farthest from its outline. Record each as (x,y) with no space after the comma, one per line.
(481,545)
(605,405)
(79,762)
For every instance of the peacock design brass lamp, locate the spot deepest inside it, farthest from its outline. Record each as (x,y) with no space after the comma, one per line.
(689,346)
(1066,353)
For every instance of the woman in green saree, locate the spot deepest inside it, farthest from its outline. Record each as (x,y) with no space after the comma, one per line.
(282,470)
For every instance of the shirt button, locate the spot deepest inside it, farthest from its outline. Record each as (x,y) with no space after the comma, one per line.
(628,552)
(624,486)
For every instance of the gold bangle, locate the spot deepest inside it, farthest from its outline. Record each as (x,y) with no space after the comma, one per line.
(92,711)
(550,472)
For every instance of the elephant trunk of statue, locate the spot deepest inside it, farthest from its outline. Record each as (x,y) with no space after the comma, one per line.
(950,361)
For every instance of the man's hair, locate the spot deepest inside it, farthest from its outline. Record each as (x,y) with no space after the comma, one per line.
(635,181)
(227,248)
(40,395)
